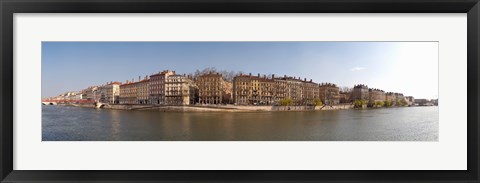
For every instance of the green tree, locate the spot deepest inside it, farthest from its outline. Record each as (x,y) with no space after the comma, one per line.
(359,103)
(318,102)
(398,102)
(388,103)
(379,103)
(286,102)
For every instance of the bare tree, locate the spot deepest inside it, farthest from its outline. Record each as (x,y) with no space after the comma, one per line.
(346,89)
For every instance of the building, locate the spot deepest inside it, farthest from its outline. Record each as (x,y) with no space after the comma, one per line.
(410,100)
(243,89)
(344,97)
(390,96)
(109,93)
(263,90)
(135,92)
(128,93)
(421,102)
(265,94)
(143,93)
(310,92)
(376,95)
(212,88)
(435,101)
(157,86)
(180,90)
(254,90)
(280,89)
(329,93)
(360,92)
(90,93)
(399,96)
(293,88)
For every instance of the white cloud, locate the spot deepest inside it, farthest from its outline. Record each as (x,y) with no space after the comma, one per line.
(357,69)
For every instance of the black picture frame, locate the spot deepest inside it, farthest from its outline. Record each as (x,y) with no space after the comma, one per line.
(9,7)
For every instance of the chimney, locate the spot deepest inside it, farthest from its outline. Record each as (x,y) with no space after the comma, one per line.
(310,80)
(304,79)
(258,74)
(249,74)
(273,76)
(139,78)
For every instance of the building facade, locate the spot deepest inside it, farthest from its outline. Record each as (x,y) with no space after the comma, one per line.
(360,92)
(376,95)
(254,90)
(410,100)
(390,96)
(329,93)
(128,93)
(212,88)
(180,90)
(157,86)
(311,92)
(109,93)
(143,93)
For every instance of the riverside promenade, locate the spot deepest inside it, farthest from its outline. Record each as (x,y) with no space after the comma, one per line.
(214,108)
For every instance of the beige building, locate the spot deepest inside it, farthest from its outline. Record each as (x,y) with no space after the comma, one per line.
(109,93)
(212,88)
(180,90)
(390,96)
(157,86)
(263,90)
(294,88)
(128,93)
(134,92)
(253,90)
(360,92)
(375,95)
(310,91)
(90,93)
(142,88)
(329,93)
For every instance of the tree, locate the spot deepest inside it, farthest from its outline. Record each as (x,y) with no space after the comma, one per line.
(345,89)
(359,103)
(227,75)
(399,102)
(379,104)
(318,102)
(286,102)
(388,103)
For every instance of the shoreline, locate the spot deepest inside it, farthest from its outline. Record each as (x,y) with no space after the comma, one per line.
(223,108)
(213,108)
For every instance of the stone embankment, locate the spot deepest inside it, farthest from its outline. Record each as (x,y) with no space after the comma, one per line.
(215,108)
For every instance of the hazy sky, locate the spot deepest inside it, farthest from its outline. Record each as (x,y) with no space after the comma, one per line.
(407,67)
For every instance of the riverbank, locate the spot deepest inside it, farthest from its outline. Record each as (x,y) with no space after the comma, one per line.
(214,108)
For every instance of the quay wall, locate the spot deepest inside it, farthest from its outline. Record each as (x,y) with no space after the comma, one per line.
(214,108)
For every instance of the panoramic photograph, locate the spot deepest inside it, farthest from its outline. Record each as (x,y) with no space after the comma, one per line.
(240,91)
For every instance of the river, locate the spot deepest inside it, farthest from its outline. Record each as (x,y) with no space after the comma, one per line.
(68,123)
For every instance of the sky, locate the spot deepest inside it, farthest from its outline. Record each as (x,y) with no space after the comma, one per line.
(410,68)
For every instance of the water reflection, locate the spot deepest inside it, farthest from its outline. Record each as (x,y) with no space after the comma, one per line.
(394,124)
